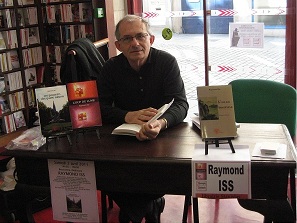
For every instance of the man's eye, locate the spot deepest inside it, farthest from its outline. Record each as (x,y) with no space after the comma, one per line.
(128,38)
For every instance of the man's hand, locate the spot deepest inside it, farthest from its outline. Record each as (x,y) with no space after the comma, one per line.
(150,131)
(140,117)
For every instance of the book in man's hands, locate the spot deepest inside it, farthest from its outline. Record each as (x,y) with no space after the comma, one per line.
(132,129)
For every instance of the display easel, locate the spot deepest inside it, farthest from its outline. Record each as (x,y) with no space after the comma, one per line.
(57,136)
(217,142)
(84,130)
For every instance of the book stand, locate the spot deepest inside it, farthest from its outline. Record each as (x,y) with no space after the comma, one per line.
(84,130)
(57,136)
(218,141)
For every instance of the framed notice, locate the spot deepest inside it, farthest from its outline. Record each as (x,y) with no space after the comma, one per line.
(73,190)
(246,35)
(221,174)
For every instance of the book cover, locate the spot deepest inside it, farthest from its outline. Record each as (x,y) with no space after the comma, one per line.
(84,104)
(34,35)
(14,59)
(85,11)
(216,111)
(2,85)
(30,75)
(132,129)
(19,119)
(4,105)
(53,110)
(75,12)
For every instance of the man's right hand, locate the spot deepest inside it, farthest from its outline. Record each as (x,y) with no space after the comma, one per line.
(140,117)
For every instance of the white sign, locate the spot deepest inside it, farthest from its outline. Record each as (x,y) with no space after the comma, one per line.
(221,173)
(246,35)
(73,190)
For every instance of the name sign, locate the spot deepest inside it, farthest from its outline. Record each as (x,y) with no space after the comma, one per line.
(221,173)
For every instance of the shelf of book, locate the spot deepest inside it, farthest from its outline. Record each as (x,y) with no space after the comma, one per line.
(21,62)
(65,21)
(34,34)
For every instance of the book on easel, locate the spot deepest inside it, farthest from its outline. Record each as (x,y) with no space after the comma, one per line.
(84,104)
(53,110)
(216,112)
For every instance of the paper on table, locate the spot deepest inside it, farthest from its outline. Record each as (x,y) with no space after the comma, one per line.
(280,151)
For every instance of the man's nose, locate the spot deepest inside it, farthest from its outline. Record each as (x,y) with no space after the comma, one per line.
(134,41)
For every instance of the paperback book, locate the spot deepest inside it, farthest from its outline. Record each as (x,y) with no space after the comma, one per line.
(132,129)
(84,104)
(19,119)
(216,112)
(53,110)
(30,75)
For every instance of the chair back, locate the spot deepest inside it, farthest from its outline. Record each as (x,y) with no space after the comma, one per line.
(265,101)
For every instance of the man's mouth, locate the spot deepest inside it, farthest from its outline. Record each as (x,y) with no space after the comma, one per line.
(136,51)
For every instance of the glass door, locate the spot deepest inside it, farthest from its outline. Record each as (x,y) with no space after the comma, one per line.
(217,41)
(246,40)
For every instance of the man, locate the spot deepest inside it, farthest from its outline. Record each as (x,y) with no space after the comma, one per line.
(132,86)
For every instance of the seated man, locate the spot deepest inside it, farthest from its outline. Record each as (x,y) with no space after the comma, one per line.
(132,86)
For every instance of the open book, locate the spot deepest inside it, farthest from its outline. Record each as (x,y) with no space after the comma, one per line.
(132,129)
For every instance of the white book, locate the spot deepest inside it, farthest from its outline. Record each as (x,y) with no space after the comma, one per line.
(11,102)
(11,79)
(2,42)
(13,39)
(8,59)
(8,2)
(8,18)
(132,129)
(1,64)
(32,14)
(4,66)
(19,80)
(22,99)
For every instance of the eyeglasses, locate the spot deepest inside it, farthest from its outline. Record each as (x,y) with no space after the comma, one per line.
(139,37)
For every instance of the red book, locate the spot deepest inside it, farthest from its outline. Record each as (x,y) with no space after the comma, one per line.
(84,104)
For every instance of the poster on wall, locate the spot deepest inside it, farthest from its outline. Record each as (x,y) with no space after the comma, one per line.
(246,35)
(73,190)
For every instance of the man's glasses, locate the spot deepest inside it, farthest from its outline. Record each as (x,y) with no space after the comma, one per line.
(139,37)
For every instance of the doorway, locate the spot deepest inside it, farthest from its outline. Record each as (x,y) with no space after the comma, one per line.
(259,52)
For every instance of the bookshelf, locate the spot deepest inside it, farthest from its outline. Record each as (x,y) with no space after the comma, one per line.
(34,34)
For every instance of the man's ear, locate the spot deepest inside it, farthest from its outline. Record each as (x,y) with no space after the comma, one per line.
(152,39)
(118,45)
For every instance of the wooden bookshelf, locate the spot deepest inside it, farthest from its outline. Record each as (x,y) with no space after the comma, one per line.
(34,34)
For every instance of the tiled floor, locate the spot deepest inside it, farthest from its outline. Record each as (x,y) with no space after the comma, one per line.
(210,211)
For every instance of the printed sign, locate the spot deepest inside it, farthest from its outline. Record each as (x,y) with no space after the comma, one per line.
(246,35)
(73,190)
(221,173)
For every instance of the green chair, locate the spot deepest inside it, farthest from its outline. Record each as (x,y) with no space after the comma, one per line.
(265,101)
